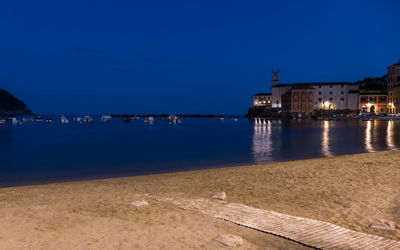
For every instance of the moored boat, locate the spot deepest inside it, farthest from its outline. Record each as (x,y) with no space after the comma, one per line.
(12,120)
(64,119)
(25,119)
(38,118)
(149,120)
(173,119)
(105,118)
(78,119)
(364,119)
(134,118)
(87,118)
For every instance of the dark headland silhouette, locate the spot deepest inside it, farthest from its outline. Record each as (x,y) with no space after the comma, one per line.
(10,105)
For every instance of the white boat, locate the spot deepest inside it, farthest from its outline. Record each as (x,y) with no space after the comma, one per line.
(64,119)
(172,119)
(149,120)
(235,119)
(220,118)
(87,118)
(105,118)
(38,118)
(26,119)
(78,119)
(49,120)
(134,118)
(2,121)
(13,120)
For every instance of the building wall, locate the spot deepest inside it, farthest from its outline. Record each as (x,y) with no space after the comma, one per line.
(335,97)
(353,101)
(302,101)
(373,103)
(286,102)
(262,101)
(394,88)
(277,92)
(326,96)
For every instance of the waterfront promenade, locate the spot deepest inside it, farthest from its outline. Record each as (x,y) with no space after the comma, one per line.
(350,191)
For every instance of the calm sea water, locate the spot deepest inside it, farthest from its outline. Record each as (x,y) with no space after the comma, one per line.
(39,152)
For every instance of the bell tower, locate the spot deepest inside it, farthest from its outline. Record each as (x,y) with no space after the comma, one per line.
(275,78)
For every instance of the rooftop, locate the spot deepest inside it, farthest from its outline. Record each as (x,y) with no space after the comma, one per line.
(261,94)
(303,87)
(376,92)
(312,84)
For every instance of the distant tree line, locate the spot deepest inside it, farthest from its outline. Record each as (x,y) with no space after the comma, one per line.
(373,84)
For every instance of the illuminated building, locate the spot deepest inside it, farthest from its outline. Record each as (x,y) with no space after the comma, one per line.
(333,96)
(373,102)
(262,100)
(393,76)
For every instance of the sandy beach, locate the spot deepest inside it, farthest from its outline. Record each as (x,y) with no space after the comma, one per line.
(350,191)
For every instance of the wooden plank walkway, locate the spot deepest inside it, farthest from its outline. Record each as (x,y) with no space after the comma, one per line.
(309,232)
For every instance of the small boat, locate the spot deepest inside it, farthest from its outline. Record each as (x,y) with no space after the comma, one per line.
(105,118)
(27,119)
(134,118)
(364,119)
(2,121)
(235,119)
(149,120)
(38,118)
(49,120)
(127,120)
(12,120)
(64,119)
(221,118)
(87,118)
(172,119)
(78,119)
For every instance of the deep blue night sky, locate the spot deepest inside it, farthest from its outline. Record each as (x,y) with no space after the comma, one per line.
(185,56)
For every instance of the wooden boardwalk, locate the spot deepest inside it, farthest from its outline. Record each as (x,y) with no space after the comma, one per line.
(309,232)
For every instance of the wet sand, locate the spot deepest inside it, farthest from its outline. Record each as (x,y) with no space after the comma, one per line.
(350,191)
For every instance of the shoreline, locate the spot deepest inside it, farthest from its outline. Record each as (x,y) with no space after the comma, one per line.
(59,180)
(349,190)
